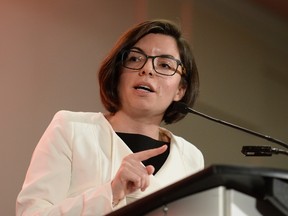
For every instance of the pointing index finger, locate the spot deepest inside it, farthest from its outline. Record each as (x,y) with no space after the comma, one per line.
(144,155)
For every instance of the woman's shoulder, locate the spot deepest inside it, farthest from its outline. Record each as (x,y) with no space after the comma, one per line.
(189,152)
(180,141)
(174,137)
(76,116)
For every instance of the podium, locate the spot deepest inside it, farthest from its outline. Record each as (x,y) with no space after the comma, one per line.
(218,190)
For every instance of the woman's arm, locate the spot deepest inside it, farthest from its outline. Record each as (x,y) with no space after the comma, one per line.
(46,187)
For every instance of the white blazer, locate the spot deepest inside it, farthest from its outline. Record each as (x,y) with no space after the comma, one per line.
(75,161)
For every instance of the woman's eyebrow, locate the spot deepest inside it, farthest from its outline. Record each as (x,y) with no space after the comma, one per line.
(167,56)
(163,55)
(137,48)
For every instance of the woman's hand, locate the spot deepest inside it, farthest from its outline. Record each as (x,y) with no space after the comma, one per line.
(132,174)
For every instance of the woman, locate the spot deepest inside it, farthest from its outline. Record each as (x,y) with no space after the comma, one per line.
(94,163)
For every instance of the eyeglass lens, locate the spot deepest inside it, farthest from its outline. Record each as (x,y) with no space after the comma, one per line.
(161,64)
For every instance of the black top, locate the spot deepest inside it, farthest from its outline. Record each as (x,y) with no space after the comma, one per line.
(138,142)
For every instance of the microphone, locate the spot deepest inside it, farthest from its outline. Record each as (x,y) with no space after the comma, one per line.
(248,150)
(261,151)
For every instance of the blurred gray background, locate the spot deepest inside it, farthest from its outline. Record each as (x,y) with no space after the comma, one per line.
(50,52)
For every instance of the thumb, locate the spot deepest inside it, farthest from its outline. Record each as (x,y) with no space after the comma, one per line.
(150,169)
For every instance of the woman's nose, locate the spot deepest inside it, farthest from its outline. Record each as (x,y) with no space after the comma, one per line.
(147,68)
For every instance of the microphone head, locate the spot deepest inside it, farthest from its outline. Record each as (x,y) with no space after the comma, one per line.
(257,150)
(181,107)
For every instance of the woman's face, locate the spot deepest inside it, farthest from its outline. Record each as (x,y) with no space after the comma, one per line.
(144,91)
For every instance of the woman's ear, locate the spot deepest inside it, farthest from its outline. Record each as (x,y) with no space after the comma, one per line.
(180,93)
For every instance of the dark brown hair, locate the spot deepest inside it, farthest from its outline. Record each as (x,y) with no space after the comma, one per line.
(109,72)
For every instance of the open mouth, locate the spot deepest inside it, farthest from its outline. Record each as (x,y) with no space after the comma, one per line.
(144,88)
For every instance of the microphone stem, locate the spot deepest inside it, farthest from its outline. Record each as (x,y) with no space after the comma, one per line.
(239,127)
(279,151)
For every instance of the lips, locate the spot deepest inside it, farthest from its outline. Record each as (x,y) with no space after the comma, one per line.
(144,87)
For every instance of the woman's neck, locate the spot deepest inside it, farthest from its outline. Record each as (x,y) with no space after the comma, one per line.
(125,123)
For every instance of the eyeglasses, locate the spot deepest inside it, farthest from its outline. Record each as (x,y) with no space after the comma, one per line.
(163,64)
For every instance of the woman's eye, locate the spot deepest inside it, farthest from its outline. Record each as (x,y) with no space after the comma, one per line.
(134,59)
(164,65)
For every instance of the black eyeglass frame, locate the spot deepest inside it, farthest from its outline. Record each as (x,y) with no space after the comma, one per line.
(179,63)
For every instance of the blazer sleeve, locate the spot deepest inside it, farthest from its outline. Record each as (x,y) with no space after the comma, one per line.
(46,186)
